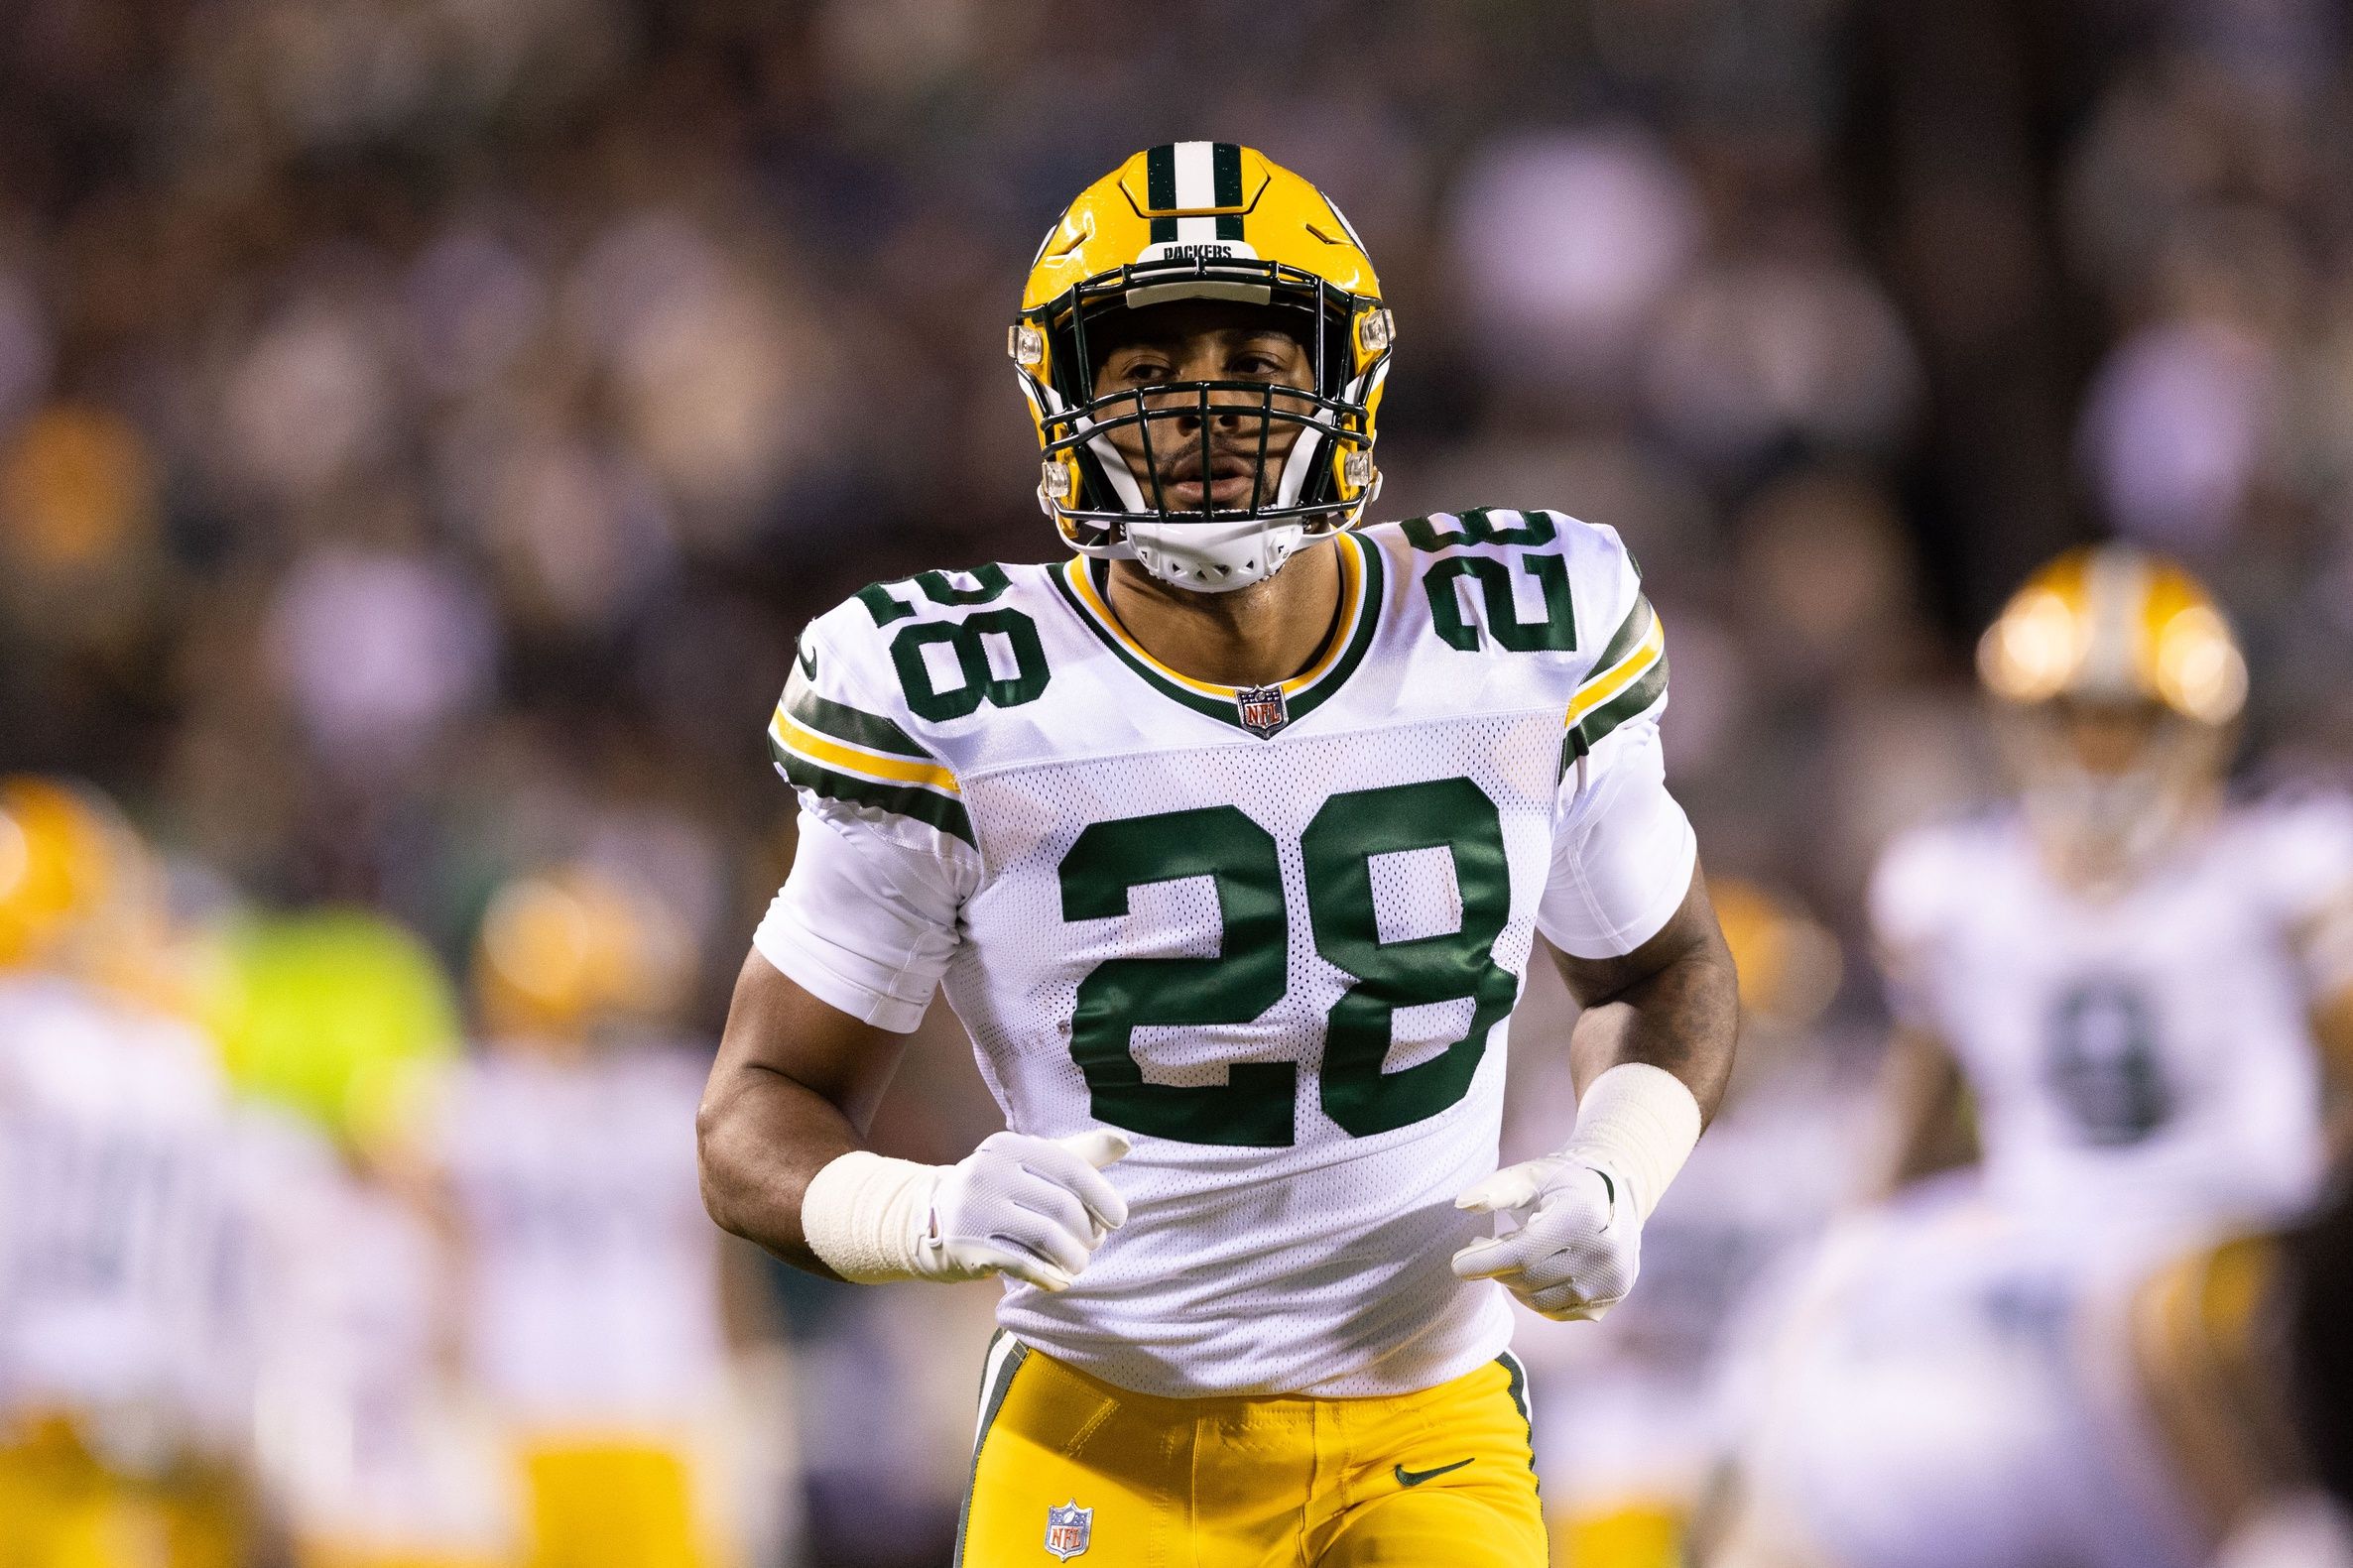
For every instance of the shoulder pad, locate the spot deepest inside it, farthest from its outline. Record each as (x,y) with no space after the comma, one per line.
(845,732)
(1608,640)
(1922,874)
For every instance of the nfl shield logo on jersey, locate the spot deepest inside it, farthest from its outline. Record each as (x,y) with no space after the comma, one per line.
(1069,1529)
(1264,709)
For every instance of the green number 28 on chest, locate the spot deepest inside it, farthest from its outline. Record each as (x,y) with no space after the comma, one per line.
(1254,1106)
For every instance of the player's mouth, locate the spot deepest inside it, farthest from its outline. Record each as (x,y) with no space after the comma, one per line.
(1231,479)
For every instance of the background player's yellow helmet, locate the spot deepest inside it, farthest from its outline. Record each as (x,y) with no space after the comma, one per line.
(2113,623)
(2118,682)
(1203,220)
(565,951)
(78,891)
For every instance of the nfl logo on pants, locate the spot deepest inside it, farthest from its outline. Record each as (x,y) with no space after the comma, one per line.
(1067,1529)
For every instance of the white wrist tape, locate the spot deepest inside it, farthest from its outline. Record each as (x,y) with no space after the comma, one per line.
(1640,1121)
(866,1216)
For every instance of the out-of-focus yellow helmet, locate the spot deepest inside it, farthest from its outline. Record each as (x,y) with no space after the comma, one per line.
(76,886)
(565,951)
(2112,624)
(1203,220)
(1788,963)
(2119,684)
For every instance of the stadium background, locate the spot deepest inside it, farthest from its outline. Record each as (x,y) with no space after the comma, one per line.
(425,424)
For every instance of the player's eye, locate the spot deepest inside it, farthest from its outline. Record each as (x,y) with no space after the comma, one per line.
(1141,372)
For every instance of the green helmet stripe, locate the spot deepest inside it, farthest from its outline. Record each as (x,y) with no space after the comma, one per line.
(1225,175)
(1159,190)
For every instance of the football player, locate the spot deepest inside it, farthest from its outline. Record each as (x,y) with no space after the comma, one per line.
(2140,987)
(1964,1383)
(122,1399)
(592,1320)
(1230,836)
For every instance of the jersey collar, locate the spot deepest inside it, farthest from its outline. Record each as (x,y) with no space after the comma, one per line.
(1085,583)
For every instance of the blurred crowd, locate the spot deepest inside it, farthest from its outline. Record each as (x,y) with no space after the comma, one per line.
(425,424)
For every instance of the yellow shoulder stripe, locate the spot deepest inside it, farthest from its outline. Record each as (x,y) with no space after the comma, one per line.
(829,752)
(1608,685)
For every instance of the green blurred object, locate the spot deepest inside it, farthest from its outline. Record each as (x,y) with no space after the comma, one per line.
(340,1015)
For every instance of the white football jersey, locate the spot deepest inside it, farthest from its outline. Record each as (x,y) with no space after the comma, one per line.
(591,1271)
(1952,1385)
(118,1213)
(2156,1040)
(363,1441)
(1275,933)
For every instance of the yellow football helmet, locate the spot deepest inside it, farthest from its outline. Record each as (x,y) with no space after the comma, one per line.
(1202,220)
(565,951)
(2119,685)
(1789,964)
(76,887)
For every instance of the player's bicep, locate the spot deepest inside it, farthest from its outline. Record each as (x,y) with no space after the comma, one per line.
(778,1029)
(1624,854)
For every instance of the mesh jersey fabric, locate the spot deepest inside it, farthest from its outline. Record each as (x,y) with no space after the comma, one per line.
(1281,962)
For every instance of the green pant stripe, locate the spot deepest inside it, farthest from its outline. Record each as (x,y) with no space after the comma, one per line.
(992,1399)
(1518,1389)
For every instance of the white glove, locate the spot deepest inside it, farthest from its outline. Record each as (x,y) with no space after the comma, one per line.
(1579,1242)
(1035,1208)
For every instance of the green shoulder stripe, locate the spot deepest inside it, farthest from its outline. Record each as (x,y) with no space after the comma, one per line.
(855,725)
(941,811)
(1627,638)
(1636,698)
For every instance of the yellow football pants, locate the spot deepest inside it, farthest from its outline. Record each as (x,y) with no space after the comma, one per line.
(61,1506)
(1066,1464)
(611,1505)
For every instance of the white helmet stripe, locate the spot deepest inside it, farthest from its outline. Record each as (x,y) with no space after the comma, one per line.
(1196,178)
(2114,591)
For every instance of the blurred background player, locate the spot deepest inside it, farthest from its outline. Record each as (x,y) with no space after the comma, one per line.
(1631,1416)
(1961,1382)
(120,1368)
(335,1024)
(591,1314)
(2141,988)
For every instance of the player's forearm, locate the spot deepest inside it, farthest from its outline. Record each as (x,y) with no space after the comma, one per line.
(1672,1003)
(761,1139)
(1925,1129)
(795,1085)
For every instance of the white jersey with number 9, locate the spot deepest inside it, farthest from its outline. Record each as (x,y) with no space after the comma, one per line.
(2157,1042)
